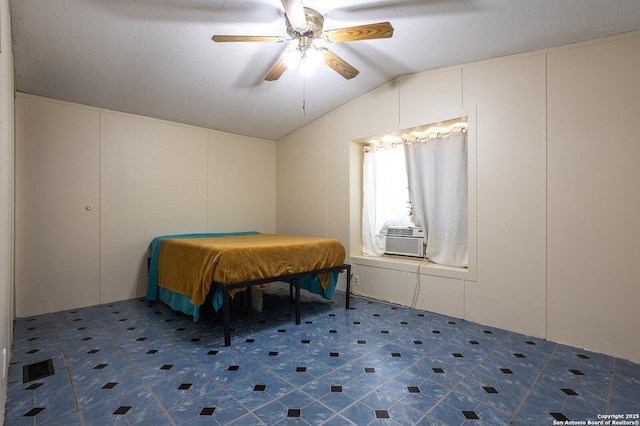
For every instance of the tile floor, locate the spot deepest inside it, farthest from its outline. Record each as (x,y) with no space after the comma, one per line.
(138,362)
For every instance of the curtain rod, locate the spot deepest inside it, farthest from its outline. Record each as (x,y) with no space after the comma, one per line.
(403,141)
(438,135)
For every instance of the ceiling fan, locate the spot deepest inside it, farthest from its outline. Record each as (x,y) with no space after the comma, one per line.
(304,25)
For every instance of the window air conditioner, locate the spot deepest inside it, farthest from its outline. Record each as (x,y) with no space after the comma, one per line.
(405,241)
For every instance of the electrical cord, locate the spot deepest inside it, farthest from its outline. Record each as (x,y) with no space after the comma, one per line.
(416,291)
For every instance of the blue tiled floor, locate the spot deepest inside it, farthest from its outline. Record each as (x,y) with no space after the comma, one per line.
(138,362)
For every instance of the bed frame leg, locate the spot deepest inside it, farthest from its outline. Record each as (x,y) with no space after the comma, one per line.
(348,298)
(226,317)
(297,286)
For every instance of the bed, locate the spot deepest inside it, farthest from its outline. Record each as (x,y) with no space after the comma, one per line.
(185,269)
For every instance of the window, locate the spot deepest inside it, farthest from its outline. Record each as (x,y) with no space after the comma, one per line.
(419,182)
(386,195)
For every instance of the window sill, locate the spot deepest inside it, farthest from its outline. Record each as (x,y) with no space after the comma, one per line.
(414,265)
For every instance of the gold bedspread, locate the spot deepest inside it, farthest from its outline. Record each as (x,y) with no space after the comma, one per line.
(189,265)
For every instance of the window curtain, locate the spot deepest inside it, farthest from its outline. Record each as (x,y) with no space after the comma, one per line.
(383,204)
(437,173)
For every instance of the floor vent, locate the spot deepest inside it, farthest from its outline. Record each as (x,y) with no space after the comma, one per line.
(37,371)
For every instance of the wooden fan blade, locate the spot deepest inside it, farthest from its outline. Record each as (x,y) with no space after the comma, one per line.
(338,64)
(277,71)
(227,38)
(359,32)
(295,13)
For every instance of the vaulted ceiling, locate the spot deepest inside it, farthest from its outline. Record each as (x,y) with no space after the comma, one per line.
(156,57)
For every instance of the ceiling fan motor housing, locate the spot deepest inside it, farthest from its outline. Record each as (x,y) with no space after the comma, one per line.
(315,21)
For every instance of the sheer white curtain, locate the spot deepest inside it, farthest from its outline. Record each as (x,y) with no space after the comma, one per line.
(437,171)
(386,196)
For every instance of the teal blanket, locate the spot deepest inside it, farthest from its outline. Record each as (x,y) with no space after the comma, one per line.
(177,302)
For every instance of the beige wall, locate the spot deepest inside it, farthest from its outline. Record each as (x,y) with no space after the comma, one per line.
(593,196)
(510,99)
(57,206)
(93,188)
(6,199)
(553,175)
(302,206)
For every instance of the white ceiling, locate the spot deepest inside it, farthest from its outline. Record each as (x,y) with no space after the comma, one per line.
(156,57)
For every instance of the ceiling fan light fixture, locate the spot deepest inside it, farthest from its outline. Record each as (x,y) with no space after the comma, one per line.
(310,60)
(305,59)
(292,58)
(306,68)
